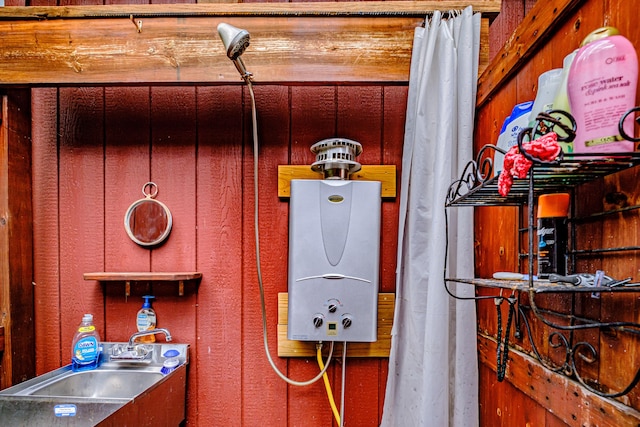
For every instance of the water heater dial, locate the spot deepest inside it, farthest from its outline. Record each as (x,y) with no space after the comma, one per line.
(332,305)
(347,321)
(318,320)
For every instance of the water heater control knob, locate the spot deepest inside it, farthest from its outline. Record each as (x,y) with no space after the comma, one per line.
(332,305)
(318,320)
(347,321)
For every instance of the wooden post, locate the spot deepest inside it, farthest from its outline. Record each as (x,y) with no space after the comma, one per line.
(16,239)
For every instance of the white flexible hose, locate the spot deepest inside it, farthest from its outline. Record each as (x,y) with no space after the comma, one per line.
(259,269)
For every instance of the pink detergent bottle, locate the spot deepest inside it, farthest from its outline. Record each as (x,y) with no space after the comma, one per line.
(602,87)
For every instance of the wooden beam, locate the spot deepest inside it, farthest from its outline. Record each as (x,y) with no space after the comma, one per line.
(380,348)
(291,43)
(489,9)
(541,22)
(17,362)
(563,397)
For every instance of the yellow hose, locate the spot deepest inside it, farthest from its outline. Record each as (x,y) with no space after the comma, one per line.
(328,387)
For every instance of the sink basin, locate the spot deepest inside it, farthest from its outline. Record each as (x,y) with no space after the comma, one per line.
(103,383)
(115,394)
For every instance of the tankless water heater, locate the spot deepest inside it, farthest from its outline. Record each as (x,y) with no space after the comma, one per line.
(334,253)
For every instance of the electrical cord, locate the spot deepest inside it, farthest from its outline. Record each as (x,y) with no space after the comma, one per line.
(247,79)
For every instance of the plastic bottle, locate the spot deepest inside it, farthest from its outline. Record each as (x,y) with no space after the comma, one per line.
(511,128)
(552,234)
(548,83)
(146,320)
(498,157)
(561,99)
(85,349)
(602,87)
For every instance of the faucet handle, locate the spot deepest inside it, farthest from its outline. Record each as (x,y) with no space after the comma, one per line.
(124,352)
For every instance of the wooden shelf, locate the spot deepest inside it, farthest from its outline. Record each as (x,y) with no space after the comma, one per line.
(128,277)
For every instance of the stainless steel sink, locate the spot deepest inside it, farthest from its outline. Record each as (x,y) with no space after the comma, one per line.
(118,393)
(103,383)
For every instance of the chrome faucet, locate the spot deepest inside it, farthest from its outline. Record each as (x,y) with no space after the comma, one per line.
(149,332)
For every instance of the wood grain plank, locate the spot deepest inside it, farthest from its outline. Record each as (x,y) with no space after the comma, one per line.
(16,238)
(127,152)
(257,377)
(510,16)
(394,113)
(119,276)
(81,208)
(173,169)
(537,26)
(313,118)
(180,49)
(217,8)
(505,405)
(187,51)
(379,348)
(570,402)
(386,174)
(219,254)
(618,351)
(46,241)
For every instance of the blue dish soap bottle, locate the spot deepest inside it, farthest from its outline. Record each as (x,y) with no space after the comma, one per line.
(85,349)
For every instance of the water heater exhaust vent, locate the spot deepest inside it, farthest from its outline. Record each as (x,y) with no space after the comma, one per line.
(336,157)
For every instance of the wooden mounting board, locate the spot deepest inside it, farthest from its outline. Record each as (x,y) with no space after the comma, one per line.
(380,348)
(386,174)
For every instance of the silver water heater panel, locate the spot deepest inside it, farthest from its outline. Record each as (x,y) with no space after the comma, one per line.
(334,253)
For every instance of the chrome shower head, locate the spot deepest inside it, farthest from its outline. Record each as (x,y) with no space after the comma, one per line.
(235,42)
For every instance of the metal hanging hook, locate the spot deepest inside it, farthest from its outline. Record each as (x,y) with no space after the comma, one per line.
(137,23)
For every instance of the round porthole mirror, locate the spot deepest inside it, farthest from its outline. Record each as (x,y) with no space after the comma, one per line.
(148,221)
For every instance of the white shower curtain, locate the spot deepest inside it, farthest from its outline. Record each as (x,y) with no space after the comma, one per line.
(433,369)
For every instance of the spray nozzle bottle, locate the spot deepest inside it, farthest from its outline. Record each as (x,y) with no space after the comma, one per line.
(147,303)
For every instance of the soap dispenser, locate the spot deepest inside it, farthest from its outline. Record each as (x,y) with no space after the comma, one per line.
(146,320)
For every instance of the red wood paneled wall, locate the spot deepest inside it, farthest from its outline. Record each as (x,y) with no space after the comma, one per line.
(94,148)
(507,403)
